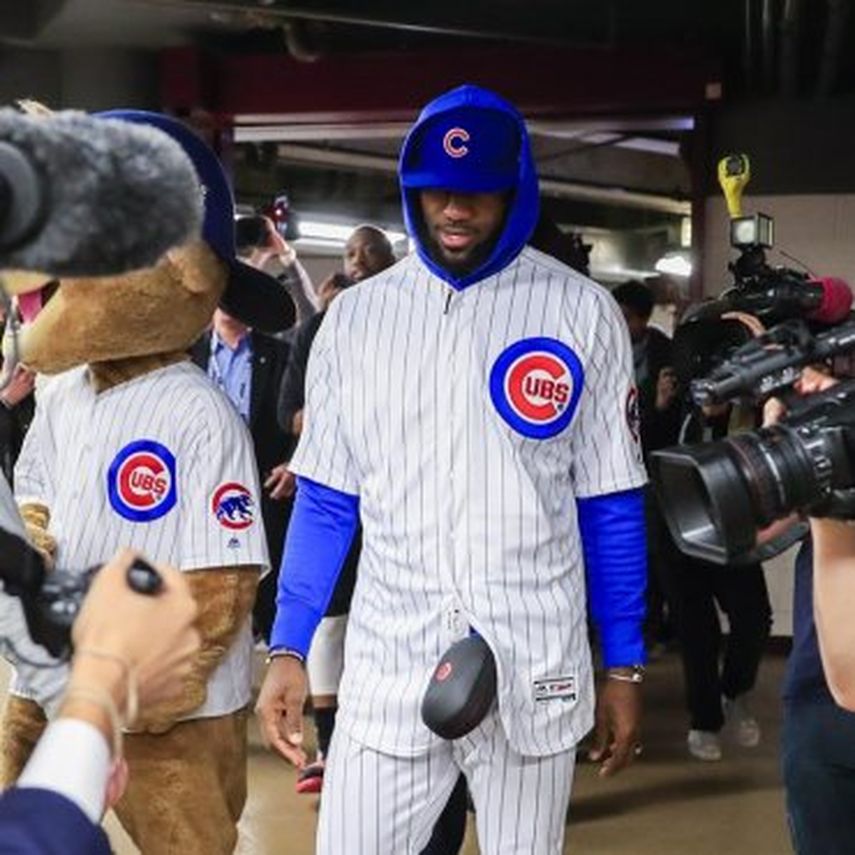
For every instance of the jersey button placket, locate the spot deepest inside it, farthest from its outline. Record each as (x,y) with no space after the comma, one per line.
(445,518)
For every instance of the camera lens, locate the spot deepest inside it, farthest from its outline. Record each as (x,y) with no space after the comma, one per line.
(778,471)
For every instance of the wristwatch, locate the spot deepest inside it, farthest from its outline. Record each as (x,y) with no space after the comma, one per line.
(626,673)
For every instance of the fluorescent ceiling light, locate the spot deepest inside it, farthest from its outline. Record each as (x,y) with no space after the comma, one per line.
(337,232)
(674,265)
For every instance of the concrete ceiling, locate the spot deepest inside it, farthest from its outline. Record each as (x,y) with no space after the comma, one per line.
(609,174)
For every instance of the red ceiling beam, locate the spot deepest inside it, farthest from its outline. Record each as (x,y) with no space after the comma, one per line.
(394,85)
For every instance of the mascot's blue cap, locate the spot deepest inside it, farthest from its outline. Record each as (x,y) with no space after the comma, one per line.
(251,295)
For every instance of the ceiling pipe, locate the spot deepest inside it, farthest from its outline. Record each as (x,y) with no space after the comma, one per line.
(617,196)
(560,27)
(838,13)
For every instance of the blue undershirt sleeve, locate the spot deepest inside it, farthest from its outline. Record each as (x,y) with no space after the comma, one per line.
(614,544)
(320,532)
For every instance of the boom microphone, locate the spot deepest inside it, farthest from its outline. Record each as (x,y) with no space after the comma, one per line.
(88,196)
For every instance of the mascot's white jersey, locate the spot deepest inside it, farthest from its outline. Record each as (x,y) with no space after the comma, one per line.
(162,464)
(468,422)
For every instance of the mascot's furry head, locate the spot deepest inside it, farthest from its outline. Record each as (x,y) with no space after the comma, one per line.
(162,309)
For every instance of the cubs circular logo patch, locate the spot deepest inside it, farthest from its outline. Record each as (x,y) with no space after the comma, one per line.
(232,504)
(535,385)
(141,482)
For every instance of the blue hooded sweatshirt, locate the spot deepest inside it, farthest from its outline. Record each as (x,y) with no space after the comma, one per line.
(470,140)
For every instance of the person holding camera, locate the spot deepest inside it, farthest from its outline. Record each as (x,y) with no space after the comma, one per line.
(818,736)
(718,690)
(132,651)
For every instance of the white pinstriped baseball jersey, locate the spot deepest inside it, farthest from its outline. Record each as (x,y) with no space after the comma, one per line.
(163,464)
(469,422)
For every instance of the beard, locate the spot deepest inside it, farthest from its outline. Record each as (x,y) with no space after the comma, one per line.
(459,264)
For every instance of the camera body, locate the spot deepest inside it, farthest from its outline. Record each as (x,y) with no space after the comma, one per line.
(51,600)
(705,338)
(718,496)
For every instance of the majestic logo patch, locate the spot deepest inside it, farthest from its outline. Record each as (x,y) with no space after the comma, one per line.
(633,415)
(555,688)
(232,505)
(141,482)
(535,385)
(453,142)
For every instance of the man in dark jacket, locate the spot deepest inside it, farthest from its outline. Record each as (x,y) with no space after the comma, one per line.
(248,366)
(659,417)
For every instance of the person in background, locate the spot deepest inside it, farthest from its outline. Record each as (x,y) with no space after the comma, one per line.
(17,407)
(260,244)
(367,252)
(127,645)
(248,366)
(659,414)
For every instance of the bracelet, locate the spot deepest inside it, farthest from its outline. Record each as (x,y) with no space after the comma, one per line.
(279,652)
(103,700)
(131,695)
(636,674)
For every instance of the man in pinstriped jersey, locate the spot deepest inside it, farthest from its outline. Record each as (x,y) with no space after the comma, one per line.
(473,406)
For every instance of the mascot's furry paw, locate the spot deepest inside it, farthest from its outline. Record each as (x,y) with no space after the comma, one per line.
(23,724)
(36,520)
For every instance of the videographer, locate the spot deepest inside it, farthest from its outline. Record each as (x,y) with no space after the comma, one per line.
(132,650)
(818,738)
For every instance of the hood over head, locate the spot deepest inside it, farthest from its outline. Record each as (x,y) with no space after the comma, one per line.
(472,141)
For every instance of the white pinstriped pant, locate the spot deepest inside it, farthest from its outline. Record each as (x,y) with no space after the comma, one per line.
(379,804)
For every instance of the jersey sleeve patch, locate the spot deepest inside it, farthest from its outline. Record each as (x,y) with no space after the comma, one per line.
(633,414)
(141,481)
(233,506)
(535,385)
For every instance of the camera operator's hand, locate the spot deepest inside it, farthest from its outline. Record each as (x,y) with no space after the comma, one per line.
(152,634)
(666,388)
(754,325)
(128,646)
(812,380)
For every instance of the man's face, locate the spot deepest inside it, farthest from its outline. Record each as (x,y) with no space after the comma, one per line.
(461,228)
(365,254)
(637,323)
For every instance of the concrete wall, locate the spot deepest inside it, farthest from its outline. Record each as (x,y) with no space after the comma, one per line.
(818,229)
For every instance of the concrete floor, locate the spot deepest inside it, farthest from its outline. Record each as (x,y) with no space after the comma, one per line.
(667,804)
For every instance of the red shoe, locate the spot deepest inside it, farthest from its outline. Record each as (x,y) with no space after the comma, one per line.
(311,779)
